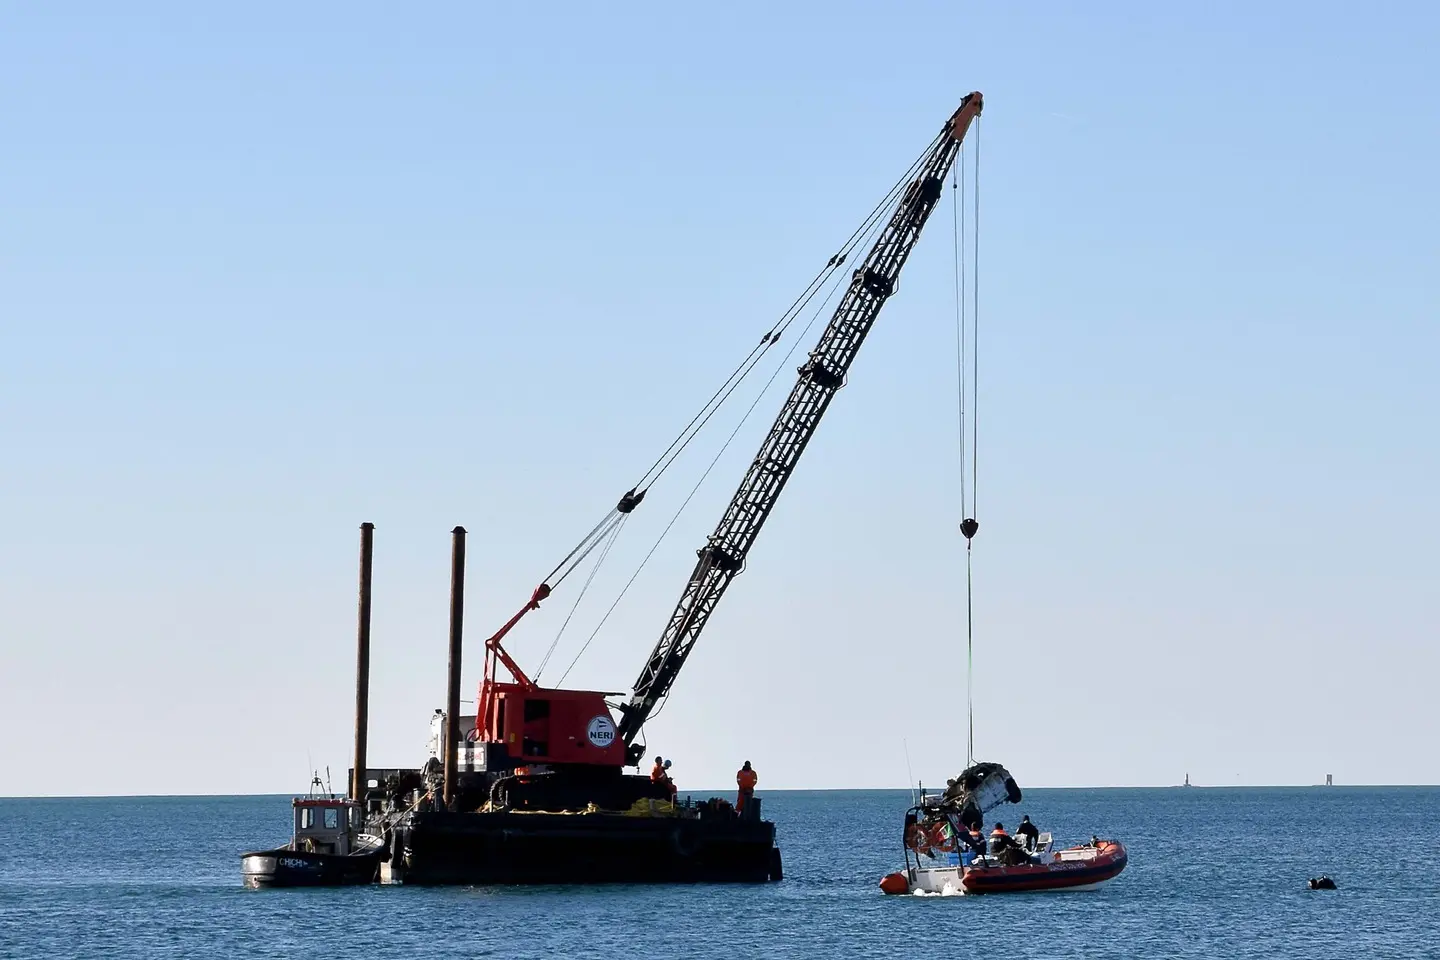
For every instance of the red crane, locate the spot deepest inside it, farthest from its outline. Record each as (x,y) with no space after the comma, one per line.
(520,725)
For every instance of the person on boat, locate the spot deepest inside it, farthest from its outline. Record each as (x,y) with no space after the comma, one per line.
(1004,848)
(660,774)
(1027,833)
(670,782)
(975,841)
(745,779)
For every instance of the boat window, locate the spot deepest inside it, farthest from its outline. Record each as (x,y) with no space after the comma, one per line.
(307,818)
(332,818)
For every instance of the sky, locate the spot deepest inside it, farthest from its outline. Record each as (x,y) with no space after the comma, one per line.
(272,271)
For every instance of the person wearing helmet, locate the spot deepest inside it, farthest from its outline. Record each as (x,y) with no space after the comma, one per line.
(670,782)
(660,776)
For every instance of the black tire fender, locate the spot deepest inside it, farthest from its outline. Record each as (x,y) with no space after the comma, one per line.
(683,844)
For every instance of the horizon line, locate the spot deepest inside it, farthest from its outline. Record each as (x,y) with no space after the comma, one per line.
(911,790)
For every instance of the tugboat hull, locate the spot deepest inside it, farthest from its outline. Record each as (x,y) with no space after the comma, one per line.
(297,868)
(544,848)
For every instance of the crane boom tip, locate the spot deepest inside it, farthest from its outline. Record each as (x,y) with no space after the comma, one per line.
(969,109)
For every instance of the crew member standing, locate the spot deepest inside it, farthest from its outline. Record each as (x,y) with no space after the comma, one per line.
(1028,832)
(669,781)
(746,779)
(657,772)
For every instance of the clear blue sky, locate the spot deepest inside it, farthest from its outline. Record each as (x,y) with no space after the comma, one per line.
(268,273)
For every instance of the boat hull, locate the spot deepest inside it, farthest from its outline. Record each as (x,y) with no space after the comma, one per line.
(1061,874)
(1079,868)
(442,848)
(297,868)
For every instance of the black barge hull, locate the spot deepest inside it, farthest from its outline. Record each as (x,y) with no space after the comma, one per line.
(441,848)
(297,868)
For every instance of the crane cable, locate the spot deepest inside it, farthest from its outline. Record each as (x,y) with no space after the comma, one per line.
(599,562)
(609,526)
(969,526)
(870,233)
(636,493)
(770,337)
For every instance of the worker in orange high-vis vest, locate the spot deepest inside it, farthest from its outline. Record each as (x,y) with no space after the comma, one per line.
(975,840)
(746,778)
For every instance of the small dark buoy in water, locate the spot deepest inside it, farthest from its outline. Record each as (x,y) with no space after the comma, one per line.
(1322,883)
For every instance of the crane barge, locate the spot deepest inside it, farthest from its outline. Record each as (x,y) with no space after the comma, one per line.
(536,790)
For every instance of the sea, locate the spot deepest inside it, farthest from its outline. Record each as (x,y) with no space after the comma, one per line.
(1214,872)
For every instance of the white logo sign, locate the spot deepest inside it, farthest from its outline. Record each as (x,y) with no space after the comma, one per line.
(601,731)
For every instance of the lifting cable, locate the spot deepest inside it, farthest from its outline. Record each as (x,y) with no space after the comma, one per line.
(606,530)
(771,336)
(969,526)
(614,533)
(830,296)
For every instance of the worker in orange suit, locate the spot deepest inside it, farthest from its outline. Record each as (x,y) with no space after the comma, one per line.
(999,840)
(661,774)
(746,779)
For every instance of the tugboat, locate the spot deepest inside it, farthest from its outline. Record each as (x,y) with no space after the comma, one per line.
(533,788)
(940,860)
(327,849)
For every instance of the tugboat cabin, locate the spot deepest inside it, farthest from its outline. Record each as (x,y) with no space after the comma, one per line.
(325,825)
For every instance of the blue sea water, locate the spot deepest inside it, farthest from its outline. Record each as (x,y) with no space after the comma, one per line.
(1213,873)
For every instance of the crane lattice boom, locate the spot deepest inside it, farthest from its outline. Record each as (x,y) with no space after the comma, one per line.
(824,372)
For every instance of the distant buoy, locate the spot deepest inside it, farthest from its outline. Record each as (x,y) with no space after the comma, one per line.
(895,883)
(1322,883)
